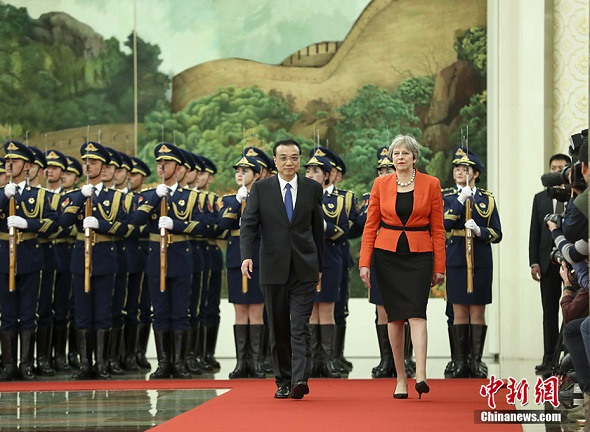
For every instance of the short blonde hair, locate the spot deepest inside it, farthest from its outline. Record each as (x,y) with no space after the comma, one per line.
(408,141)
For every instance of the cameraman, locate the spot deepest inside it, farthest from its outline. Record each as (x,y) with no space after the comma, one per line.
(543,270)
(575,218)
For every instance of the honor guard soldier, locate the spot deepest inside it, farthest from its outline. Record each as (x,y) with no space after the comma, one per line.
(193,165)
(45,301)
(25,212)
(212,268)
(2,172)
(37,167)
(169,229)
(61,242)
(244,294)
(469,284)
(97,211)
(386,366)
(264,160)
(138,307)
(69,181)
(322,324)
(341,307)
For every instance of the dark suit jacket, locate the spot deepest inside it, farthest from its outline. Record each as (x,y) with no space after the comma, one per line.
(300,241)
(540,241)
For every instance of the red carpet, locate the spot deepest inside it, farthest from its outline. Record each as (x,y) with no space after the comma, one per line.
(332,405)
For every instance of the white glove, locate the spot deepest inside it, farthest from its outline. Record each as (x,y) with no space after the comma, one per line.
(17,222)
(465,193)
(325,226)
(470,224)
(165,222)
(87,190)
(90,222)
(242,194)
(162,190)
(10,190)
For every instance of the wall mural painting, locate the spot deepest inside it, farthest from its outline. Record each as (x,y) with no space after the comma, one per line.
(230,73)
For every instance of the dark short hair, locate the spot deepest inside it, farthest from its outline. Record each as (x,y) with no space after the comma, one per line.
(583,153)
(560,156)
(288,142)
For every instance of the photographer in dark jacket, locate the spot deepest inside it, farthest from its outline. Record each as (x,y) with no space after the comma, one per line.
(575,218)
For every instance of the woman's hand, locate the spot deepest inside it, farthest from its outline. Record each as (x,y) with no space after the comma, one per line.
(365,274)
(437,278)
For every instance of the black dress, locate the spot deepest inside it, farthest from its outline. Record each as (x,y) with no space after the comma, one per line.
(404,277)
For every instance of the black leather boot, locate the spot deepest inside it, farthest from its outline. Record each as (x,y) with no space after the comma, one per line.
(178,364)
(44,351)
(340,337)
(115,338)
(211,332)
(129,360)
(84,344)
(60,335)
(317,363)
(450,365)
(386,367)
(191,352)
(477,368)
(241,340)
(409,363)
(27,347)
(256,336)
(102,348)
(9,362)
(200,351)
(143,337)
(162,338)
(73,350)
(327,332)
(461,341)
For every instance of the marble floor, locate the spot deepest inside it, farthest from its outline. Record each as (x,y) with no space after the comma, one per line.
(140,410)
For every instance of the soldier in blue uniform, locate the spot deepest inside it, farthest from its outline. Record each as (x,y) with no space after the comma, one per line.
(70,179)
(2,172)
(322,325)
(37,170)
(171,317)
(341,307)
(34,216)
(62,279)
(249,305)
(469,329)
(138,318)
(212,268)
(93,313)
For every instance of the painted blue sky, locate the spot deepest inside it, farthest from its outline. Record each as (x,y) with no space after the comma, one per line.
(190,32)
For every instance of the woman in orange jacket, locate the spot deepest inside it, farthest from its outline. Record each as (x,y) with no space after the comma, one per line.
(405,233)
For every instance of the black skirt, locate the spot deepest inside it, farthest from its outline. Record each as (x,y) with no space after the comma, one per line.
(404,282)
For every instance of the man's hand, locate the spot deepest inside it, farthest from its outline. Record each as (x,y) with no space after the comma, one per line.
(87,190)
(470,224)
(17,222)
(10,190)
(437,278)
(162,190)
(365,274)
(551,225)
(247,265)
(165,222)
(536,272)
(564,273)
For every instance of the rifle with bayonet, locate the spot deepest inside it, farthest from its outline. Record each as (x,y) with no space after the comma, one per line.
(88,232)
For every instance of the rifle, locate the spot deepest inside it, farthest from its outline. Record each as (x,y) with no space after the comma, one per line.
(244,278)
(163,241)
(12,242)
(468,232)
(88,232)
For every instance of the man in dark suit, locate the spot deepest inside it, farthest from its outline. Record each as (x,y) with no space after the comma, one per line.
(287,210)
(544,271)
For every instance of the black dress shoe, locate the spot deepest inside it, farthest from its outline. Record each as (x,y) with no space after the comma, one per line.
(543,369)
(283,392)
(299,390)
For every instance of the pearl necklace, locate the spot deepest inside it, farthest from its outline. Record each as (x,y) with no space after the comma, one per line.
(408,182)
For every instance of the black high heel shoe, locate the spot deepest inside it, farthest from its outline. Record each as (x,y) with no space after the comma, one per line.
(400,395)
(422,387)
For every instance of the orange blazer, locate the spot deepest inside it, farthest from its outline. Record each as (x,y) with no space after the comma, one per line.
(427,210)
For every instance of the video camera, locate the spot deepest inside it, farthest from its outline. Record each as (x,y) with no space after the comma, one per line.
(553,181)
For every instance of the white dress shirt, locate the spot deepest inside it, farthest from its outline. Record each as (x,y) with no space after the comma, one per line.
(293,183)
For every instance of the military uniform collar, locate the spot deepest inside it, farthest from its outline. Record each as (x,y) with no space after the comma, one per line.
(329,189)
(173,188)
(22,186)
